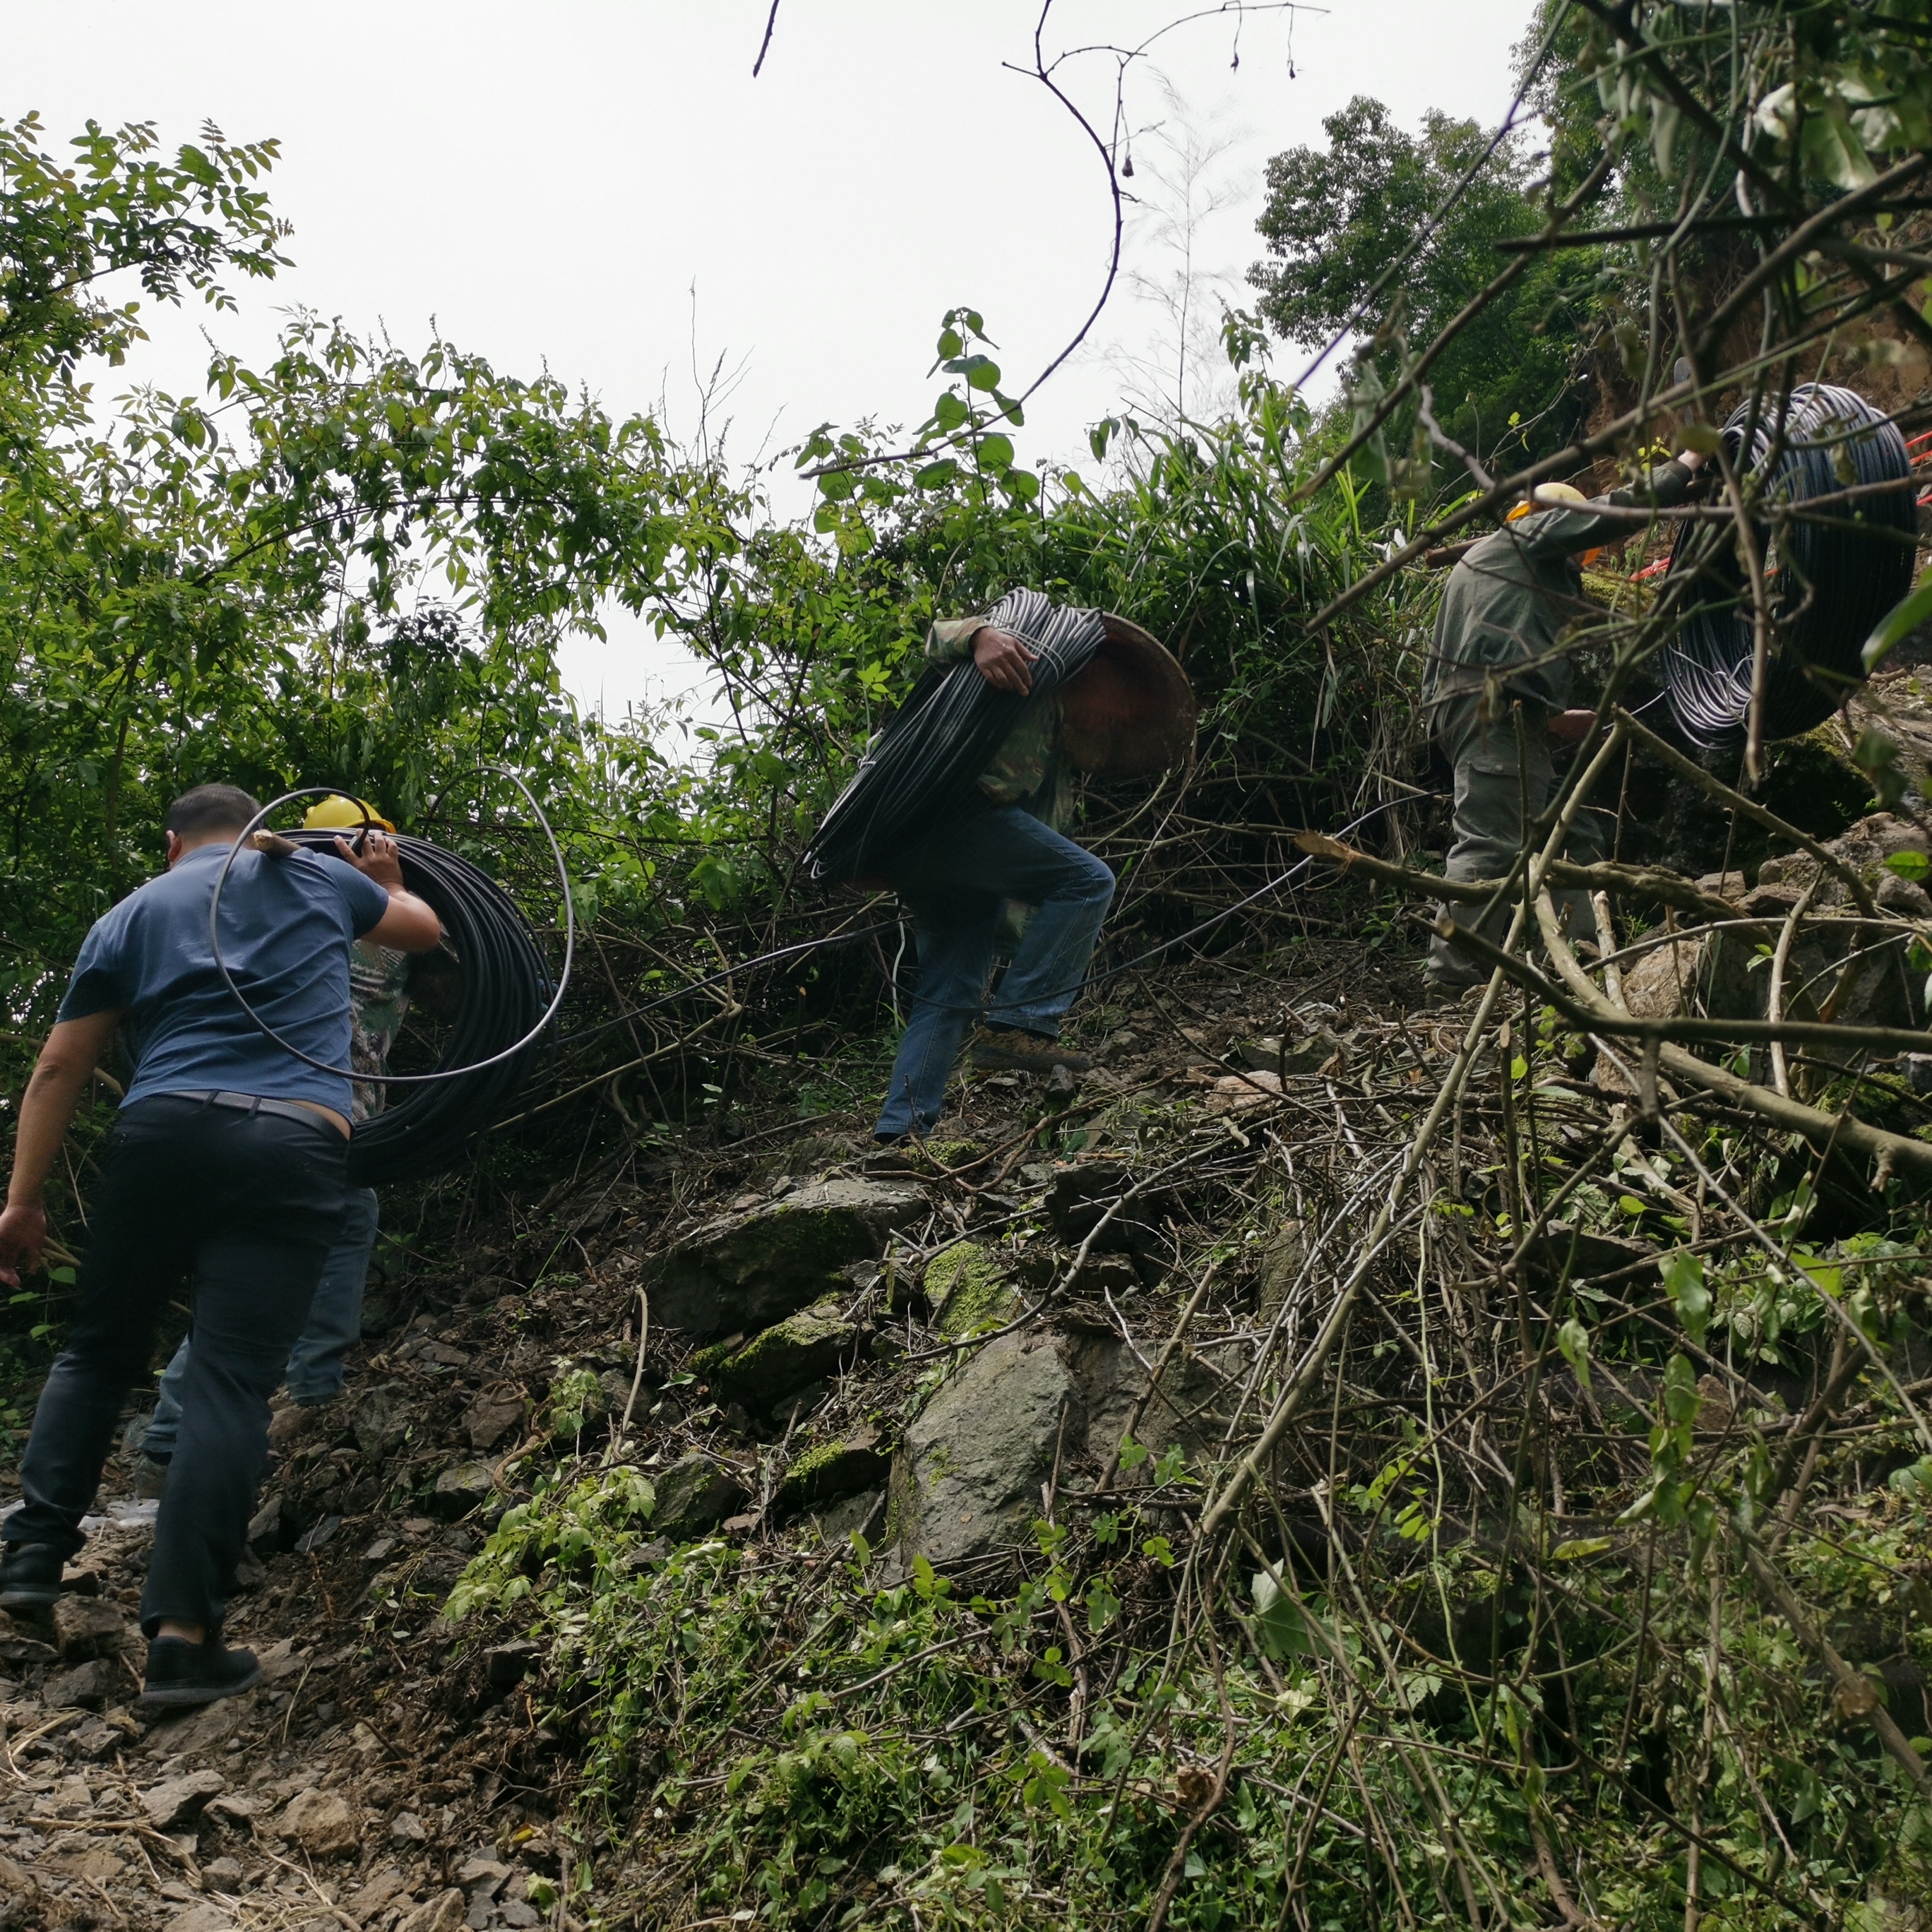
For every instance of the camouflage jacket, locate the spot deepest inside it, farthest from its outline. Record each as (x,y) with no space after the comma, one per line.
(379,1001)
(1511,605)
(1026,769)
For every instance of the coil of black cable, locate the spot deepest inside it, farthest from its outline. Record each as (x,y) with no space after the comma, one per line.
(923,763)
(506,985)
(1830,576)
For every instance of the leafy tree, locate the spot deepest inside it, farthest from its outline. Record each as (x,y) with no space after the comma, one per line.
(1340,224)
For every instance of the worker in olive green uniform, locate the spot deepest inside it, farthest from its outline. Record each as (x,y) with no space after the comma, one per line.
(1500,685)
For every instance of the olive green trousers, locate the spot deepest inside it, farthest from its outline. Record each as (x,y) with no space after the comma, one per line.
(1498,771)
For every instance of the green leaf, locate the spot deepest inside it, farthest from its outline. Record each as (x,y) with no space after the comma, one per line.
(1573,1340)
(1580,1546)
(1898,623)
(950,344)
(1683,1274)
(1909,864)
(949,411)
(996,452)
(982,372)
(1704,437)
(1834,153)
(936,475)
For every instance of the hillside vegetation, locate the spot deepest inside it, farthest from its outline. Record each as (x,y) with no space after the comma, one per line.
(1343,1464)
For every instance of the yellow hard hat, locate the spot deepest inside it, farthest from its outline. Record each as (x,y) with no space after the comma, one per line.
(1547,497)
(336,813)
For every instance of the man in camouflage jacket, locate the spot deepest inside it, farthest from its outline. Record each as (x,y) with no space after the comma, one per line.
(1500,684)
(961,880)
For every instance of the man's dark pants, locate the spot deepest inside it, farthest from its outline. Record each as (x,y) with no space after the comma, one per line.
(1494,767)
(244,1205)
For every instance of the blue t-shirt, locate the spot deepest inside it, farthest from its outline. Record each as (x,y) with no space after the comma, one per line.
(286,927)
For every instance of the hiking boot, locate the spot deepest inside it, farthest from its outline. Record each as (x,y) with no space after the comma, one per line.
(151,1478)
(1012,1049)
(181,1674)
(30,1576)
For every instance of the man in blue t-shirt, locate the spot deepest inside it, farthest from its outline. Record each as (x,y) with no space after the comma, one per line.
(227,1164)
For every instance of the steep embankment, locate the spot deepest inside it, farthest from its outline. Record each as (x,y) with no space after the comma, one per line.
(867,1586)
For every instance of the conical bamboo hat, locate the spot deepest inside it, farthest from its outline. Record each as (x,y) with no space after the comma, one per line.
(1131,711)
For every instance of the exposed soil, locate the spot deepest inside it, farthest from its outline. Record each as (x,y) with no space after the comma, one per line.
(385,1776)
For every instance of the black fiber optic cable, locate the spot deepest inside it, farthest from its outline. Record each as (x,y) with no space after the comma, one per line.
(509,997)
(927,757)
(1832,575)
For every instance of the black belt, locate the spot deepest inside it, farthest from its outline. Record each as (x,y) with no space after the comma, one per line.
(257,1103)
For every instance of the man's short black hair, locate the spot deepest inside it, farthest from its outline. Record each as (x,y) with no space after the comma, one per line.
(211,808)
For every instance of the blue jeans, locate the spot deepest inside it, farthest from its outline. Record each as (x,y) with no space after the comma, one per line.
(955,881)
(334,1326)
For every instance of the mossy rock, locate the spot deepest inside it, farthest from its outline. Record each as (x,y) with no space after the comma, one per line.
(695,1494)
(967,1284)
(807,1347)
(827,1470)
(747,1271)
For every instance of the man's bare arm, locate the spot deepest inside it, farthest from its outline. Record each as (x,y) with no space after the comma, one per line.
(410,924)
(46,1111)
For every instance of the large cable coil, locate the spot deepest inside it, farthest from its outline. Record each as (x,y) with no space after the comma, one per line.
(506,985)
(925,760)
(1830,573)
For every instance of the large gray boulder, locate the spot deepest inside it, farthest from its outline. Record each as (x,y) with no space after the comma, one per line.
(966,1481)
(741,1272)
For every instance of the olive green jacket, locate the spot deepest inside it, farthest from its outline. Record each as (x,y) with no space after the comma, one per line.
(1510,601)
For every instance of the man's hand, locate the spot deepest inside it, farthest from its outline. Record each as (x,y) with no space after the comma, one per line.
(23,1238)
(1004,661)
(378,859)
(1571,727)
(1693,459)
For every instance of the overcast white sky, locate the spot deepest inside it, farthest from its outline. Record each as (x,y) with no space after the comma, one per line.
(551,183)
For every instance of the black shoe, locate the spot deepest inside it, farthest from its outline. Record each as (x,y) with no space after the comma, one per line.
(1012,1049)
(181,1673)
(30,1576)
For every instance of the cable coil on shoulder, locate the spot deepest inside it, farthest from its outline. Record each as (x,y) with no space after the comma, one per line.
(506,987)
(1830,575)
(509,998)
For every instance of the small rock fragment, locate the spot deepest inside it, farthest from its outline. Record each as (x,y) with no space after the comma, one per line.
(177,1802)
(88,1626)
(695,1494)
(86,1687)
(365,1903)
(273,1526)
(493,1416)
(1236,1093)
(830,1470)
(314,1539)
(382,1420)
(804,1348)
(407,1825)
(460,1489)
(206,1917)
(440,1915)
(322,1822)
